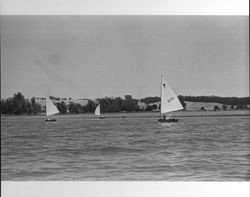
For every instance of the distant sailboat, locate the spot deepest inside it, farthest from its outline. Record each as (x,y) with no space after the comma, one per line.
(50,110)
(98,112)
(169,102)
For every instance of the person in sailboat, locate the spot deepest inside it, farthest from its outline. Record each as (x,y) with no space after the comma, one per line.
(169,117)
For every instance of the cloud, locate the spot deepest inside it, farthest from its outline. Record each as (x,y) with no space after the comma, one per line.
(52,66)
(53,73)
(54,59)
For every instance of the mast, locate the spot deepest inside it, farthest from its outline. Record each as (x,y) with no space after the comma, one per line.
(161,95)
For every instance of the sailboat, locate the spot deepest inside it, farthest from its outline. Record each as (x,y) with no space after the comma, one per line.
(98,112)
(169,102)
(51,109)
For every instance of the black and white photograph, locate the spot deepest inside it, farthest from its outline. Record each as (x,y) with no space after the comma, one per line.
(125,98)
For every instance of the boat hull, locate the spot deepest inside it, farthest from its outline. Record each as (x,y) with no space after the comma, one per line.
(50,120)
(167,120)
(101,117)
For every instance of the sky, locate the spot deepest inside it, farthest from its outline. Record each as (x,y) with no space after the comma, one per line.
(97,56)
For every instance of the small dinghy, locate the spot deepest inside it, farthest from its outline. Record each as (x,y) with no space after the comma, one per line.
(98,112)
(51,109)
(169,119)
(169,103)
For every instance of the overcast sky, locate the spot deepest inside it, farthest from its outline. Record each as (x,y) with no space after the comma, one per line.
(97,56)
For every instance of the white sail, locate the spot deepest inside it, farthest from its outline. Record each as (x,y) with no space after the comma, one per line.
(97,110)
(50,107)
(169,100)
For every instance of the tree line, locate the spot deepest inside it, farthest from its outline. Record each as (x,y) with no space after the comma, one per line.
(238,102)
(156,99)
(18,104)
(233,102)
(107,105)
(217,99)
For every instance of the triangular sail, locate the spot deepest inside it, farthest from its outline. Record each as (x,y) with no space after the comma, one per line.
(169,100)
(50,107)
(97,110)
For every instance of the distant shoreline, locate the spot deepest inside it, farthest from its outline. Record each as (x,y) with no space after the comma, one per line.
(150,114)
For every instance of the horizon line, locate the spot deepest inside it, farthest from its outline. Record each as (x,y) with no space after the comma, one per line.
(67,97)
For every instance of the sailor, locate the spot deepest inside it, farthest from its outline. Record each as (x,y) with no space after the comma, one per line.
(164,117)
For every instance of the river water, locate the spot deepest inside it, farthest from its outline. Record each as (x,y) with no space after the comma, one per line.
(126,147)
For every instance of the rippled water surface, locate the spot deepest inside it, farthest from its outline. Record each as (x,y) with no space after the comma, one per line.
(81,147)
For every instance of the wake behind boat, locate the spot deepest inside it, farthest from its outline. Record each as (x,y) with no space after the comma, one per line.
(169,103)
(51,109)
